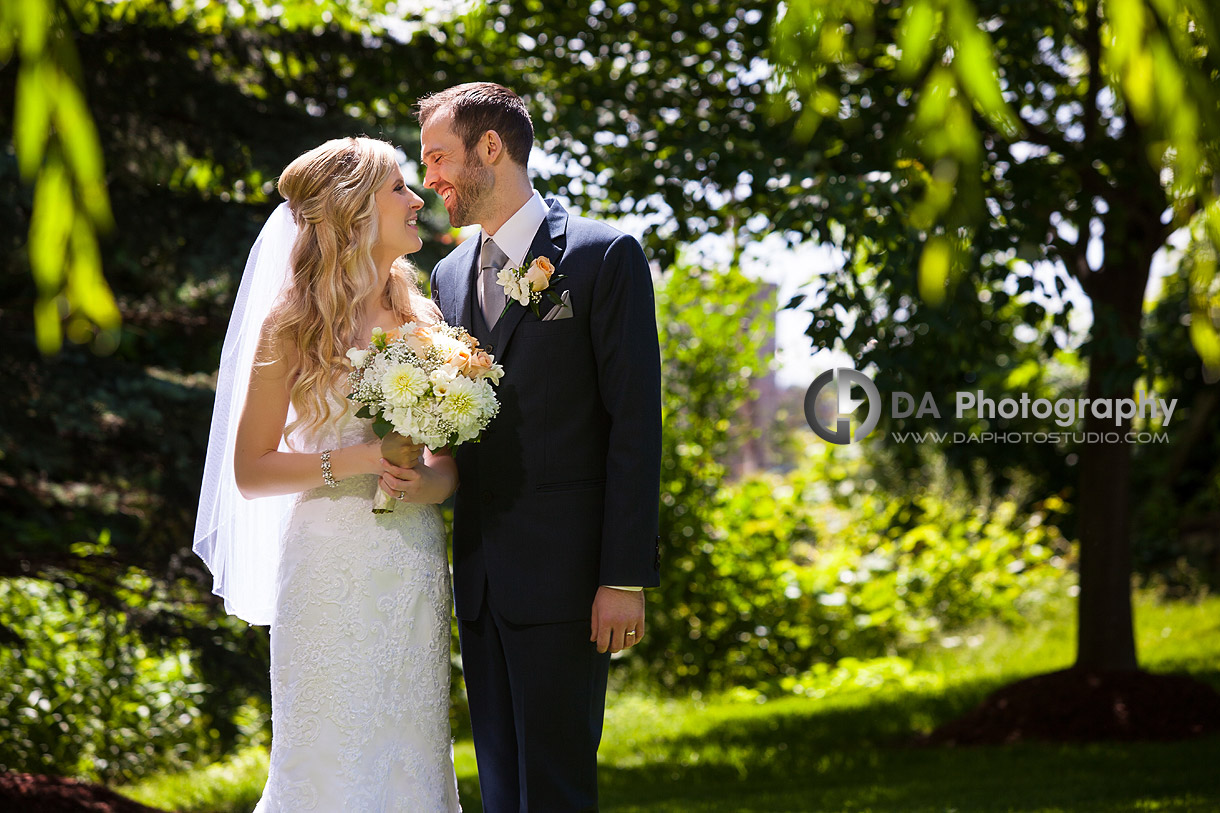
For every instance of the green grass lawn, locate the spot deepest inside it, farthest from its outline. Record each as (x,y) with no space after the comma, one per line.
(843,747)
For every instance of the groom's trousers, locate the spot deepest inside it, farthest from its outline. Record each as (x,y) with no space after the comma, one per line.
(537,697)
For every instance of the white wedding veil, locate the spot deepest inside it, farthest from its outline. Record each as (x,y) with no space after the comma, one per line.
(237,538)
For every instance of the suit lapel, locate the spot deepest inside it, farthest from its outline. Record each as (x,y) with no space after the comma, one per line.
(548,242)
(459,308)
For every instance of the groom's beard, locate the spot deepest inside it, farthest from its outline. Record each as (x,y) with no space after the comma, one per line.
(469,190)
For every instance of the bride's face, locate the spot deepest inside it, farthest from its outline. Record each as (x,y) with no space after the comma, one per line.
(397,217)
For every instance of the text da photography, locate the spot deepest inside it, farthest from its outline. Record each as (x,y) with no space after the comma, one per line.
(834,399)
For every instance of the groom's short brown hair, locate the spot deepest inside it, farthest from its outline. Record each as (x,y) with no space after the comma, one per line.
(481,106)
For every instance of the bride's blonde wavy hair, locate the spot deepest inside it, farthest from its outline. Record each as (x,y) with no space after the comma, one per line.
(330,190)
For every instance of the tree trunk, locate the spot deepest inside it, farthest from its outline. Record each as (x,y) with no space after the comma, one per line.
(1105,638)
(1105,631)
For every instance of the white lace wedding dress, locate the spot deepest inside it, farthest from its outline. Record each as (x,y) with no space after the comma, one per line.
(360,653)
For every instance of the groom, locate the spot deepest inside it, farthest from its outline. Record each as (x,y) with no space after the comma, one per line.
(555,524)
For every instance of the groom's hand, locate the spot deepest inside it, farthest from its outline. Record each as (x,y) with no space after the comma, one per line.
(615,613)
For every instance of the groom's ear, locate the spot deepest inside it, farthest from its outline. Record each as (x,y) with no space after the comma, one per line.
(490,147)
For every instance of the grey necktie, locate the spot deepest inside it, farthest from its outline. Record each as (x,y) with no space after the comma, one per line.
(493,295)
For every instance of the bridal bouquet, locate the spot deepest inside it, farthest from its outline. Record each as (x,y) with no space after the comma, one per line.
(431,383)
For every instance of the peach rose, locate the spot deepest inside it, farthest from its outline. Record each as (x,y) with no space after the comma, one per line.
(478,364)
(460,357)
(484,366)
(539,274)
(419,340)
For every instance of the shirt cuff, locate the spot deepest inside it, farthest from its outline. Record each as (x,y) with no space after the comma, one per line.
(628,589)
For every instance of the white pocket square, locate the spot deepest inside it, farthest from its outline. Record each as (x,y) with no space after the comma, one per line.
(562,310)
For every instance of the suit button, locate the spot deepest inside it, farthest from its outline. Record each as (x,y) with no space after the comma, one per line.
(488,494)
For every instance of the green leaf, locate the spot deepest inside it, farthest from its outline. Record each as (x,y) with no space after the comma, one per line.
(82,149)
(48,330)
(1203,332)
(382,427)
(35,22)
(87,288)
(1206,339)
(934,269)
(50,227)
(934,100)
(916,36)
(978,74)
(37,84)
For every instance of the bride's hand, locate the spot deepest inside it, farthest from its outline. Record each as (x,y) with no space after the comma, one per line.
(370,458)
(422,484)
(432,481)
(396,479)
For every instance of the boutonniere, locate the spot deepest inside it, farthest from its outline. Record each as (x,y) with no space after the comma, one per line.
(528,283)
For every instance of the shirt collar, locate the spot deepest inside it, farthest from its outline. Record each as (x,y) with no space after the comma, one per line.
(517,234)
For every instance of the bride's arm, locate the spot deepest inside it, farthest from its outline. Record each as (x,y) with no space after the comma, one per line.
(260,468)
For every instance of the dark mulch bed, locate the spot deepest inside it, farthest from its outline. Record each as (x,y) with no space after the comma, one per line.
(1081,706)
(24,793)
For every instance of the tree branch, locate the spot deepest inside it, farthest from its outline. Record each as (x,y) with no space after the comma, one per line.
(1092,50)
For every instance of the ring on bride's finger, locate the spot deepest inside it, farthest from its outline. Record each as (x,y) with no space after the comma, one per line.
(631,633)
(402,495)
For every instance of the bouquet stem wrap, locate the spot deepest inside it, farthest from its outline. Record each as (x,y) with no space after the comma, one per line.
(383,503)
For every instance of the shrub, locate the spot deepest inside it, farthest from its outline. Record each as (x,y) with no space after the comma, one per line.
(799,571)
(85,696)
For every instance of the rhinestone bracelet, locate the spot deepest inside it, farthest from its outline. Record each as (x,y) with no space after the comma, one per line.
(327,477)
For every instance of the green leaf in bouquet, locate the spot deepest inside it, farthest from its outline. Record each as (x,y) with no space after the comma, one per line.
(382,427)
(364,411)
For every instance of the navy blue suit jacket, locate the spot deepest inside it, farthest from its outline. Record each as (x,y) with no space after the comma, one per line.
(561,494)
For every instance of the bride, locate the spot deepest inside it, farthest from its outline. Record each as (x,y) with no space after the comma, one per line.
(358,602)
